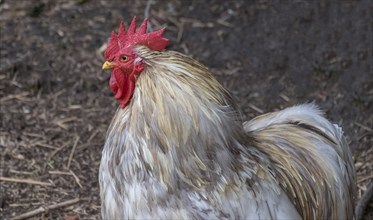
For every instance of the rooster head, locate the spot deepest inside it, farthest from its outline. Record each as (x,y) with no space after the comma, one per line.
(126,65)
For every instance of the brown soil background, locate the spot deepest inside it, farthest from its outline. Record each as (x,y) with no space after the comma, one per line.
(55,102)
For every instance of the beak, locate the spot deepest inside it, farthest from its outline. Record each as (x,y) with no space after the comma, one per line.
(107,65)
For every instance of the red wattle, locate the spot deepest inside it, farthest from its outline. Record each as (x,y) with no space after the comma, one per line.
(130,87)
(120,78)
(113,84)
(123,85)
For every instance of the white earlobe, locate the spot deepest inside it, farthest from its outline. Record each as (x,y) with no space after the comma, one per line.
(137,60)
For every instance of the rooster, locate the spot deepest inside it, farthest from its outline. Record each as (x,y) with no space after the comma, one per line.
(177,147)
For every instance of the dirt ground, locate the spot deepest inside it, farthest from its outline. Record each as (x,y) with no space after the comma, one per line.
(56,105)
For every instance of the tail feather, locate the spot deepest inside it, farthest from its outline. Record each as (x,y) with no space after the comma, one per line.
(310,158)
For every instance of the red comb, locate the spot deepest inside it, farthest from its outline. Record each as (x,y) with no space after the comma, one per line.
(125,39)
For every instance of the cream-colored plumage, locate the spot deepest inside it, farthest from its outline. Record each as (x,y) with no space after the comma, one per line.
(180,150)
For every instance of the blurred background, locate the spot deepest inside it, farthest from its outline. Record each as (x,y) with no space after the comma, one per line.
(56,105)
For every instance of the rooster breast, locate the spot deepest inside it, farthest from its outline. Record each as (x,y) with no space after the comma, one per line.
(129,190)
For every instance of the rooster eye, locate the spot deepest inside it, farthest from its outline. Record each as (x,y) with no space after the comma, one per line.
(124,59)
